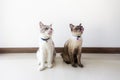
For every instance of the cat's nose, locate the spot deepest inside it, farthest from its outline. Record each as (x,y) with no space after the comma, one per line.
(51,29)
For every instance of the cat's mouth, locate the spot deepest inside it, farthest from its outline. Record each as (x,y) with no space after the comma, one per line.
(50,32)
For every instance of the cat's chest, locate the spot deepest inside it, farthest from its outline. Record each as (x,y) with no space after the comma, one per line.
(46,44)
(75,42)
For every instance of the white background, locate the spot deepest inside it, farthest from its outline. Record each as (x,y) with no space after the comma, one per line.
(19,21)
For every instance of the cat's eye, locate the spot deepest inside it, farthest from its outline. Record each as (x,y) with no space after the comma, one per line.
(46,28)
(76,28)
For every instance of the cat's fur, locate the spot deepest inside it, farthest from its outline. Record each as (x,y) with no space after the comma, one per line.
(73,46)
(46,52)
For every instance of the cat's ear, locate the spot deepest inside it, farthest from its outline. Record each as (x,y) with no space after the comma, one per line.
(71,26)
(41,24)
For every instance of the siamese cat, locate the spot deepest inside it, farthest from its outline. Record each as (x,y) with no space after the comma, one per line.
(46,52)
(73,46)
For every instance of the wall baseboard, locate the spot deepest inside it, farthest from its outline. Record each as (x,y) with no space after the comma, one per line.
(103,50)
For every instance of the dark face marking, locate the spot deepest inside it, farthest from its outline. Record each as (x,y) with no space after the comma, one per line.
(77,28)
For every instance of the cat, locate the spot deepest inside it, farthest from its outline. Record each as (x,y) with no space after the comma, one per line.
(73,46)
(46,52)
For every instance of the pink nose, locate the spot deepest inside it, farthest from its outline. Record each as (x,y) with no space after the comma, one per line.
(51,29)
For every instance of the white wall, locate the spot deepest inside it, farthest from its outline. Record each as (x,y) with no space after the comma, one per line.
(19,21)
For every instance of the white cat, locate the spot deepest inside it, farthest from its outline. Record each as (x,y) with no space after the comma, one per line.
(46,52)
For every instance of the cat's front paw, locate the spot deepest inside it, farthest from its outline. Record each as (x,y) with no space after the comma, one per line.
(81,65)
(74,65)
(41,68)
(50,65)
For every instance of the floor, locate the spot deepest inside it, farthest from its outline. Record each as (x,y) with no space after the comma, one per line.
(23,66)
